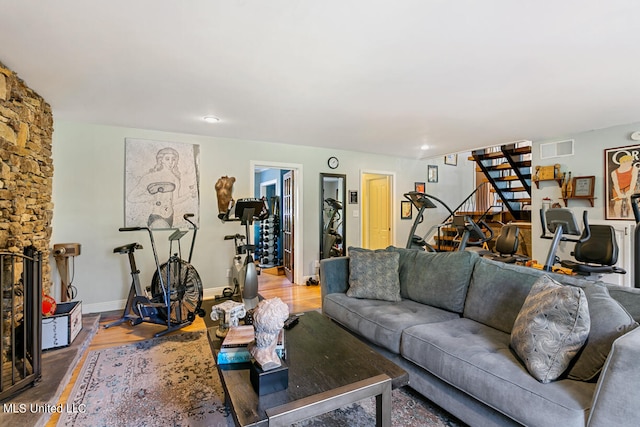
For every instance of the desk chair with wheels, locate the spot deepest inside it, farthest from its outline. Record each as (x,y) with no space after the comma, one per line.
(597,255)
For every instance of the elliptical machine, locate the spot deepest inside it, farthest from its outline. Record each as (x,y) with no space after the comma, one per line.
(331,239)
(470,232)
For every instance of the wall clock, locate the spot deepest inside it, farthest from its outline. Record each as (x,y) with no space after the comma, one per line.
(333,162)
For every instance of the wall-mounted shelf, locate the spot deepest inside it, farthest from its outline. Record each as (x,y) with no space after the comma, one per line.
(590,199)
(558,180)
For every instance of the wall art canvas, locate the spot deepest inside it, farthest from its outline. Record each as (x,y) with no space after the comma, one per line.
(621,166)
(161,183)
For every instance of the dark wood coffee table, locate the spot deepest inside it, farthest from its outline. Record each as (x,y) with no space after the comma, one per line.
(328,368)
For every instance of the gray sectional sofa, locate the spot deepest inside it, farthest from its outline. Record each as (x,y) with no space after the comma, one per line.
(447,319)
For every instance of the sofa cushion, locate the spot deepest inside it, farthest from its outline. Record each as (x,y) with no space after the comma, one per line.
(551,328)
(609,320)
(476,359)
(374,275)
(381,322)
(437,279)
(497,292)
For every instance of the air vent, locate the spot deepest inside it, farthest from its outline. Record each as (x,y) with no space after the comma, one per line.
(556,149)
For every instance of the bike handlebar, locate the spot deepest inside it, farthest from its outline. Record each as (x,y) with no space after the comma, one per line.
(132,228)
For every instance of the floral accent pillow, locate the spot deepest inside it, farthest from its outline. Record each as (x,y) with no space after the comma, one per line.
(374,275)
(552,326)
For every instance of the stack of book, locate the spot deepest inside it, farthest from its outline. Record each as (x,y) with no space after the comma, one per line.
(235,346)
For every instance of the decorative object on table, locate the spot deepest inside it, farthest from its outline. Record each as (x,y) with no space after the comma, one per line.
(268,320)
(451,159)
(241,354)
(621,180)
(432,173)
(419,187)
(406,209)
(229,313)
(237,337)
(224,194)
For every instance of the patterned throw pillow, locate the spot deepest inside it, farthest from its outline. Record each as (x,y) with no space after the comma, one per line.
(374,275)
(551,327)
(609,320)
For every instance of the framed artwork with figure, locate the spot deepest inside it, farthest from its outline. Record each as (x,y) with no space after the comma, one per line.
(621,167)
(161,183)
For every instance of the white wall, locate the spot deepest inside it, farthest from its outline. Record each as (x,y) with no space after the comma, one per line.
(88,197)
(454,184)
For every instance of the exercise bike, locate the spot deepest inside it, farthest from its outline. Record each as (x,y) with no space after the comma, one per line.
(175,294)
(244,271)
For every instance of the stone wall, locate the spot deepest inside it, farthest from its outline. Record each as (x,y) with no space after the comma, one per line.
(26,169)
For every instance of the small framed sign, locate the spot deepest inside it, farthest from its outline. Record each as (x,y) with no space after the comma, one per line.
(583,186)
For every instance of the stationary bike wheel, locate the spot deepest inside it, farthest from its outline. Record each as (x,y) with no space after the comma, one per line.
(185,289)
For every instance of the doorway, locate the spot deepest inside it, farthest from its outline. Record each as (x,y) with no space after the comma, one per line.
(287,188)
(377,210)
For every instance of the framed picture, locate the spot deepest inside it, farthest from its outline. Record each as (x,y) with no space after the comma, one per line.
(583,186)
(353,197)
(161,183)
(432,173)
(451,159)
(419,187)
(621,180)
(406,209)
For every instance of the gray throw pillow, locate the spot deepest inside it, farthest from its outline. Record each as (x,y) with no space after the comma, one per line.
(609,320)
(552,326)
(374,275)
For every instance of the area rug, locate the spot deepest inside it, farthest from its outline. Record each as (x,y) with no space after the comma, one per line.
(173,381)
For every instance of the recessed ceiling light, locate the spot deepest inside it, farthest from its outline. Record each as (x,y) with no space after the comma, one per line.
(211,119)
(424,147)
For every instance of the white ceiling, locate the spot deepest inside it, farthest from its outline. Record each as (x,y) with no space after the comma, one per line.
(366,75)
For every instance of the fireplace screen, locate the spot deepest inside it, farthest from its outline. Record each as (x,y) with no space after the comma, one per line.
(21,310)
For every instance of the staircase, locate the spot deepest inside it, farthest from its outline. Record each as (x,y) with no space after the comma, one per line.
(508,170)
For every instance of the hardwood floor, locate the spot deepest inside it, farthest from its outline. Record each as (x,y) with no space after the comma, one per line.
(298,298)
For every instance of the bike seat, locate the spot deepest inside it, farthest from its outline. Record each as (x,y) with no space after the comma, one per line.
(126,249)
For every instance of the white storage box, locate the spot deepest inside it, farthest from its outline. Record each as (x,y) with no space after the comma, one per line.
(63,327)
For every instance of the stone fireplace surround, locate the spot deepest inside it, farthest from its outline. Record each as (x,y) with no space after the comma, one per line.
(26,170)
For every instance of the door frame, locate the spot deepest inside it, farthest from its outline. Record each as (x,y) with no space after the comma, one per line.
(392,197)
(298,242)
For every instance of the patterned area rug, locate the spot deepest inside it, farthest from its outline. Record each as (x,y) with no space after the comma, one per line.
(173,381)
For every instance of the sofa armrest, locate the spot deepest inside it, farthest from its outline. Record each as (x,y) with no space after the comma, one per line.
(334,276)
(615,401)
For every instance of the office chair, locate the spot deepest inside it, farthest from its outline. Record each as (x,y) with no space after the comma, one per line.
(597,255)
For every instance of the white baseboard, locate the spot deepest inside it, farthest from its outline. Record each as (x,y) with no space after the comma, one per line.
(119,304)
